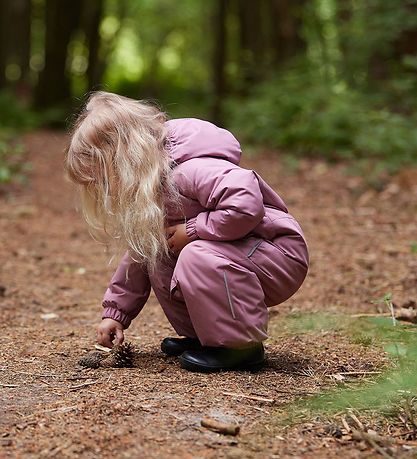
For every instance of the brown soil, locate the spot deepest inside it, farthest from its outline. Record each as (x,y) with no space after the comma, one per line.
(52,279)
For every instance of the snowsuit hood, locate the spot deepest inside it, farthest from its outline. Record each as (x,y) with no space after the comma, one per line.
(190,138)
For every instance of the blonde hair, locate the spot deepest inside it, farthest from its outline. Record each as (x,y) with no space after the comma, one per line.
(117,156)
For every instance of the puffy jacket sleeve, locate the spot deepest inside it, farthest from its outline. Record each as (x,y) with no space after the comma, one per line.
(231,196)
(127,293)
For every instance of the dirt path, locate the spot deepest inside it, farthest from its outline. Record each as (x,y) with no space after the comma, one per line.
(361,246)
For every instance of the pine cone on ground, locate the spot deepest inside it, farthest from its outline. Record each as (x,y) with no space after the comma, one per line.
(92,359)
(123,355)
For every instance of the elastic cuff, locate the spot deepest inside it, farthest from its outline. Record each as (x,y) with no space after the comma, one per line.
(190,229)
(111,311)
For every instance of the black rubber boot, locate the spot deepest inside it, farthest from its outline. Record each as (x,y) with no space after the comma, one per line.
(211,359)
(176,346)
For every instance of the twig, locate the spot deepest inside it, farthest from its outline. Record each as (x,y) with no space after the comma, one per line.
(260,409)
(346,425)
(38,375)
(353,373)
(9,385)
(389,303)
(341,375)
(303,393)
(406,442)
(407,432)
(372,441)
(220,427)
(251,397)
(372,314)
(79,386)
(357,422)
(62,409)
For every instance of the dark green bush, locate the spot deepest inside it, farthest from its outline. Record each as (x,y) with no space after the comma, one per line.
(12,166)
(299,113)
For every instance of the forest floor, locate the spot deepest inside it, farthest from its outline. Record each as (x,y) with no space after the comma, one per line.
(362,244)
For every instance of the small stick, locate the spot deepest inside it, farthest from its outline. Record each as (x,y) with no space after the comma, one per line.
(251,397)
(358,423)
(260,409)
(79,386)
(353,373)
(388,302)
(296,394)
(39,375)
(220,427)
(62,409)
(406,442)
(374,314)
(346,425)
(9,385)
(401,434)
(372,441)
(75,378)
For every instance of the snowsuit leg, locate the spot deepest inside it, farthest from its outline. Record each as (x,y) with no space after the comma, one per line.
(224,299)
(223,289)
(173,306)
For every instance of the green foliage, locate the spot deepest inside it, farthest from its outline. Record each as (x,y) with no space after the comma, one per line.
(399,342)
(11,165)
(346,91)
(155,47)
(14,114)
(299,112)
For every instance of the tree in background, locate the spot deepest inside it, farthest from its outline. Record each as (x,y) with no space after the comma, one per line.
(303,75)
(62,18)
(93,15)
(15,32)
(219,59)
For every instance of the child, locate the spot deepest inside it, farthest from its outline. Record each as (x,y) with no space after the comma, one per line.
(213,240)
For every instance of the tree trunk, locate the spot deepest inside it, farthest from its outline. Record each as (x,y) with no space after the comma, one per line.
(287,41)
(5,29)
(219,59)
(251,40)
(62,19)
(407,42)
(20,43)
(92,20)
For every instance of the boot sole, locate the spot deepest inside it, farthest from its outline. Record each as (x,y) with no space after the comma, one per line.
(176,353)
(196,368)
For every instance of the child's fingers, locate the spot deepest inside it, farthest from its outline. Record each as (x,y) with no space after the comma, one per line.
(104,340)
(119,336)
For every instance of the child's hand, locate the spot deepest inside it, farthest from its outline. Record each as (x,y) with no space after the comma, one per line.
(108,330)
(177,238)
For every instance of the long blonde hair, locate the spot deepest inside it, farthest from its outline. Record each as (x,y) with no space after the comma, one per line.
(117,156)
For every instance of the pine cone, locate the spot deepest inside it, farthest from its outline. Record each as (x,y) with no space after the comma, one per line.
(123,355)
(120,357)
(92,359)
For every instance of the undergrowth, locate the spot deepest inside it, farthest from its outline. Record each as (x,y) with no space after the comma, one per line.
(12,165)
(381,395)
(314,117)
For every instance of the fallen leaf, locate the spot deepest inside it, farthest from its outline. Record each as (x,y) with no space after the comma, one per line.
(49,316)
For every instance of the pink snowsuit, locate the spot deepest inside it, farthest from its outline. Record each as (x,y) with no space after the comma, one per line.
(247,252)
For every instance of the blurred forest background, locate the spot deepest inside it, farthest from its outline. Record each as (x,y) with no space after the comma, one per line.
(335,79)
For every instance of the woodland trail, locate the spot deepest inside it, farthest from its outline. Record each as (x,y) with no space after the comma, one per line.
(52,279)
